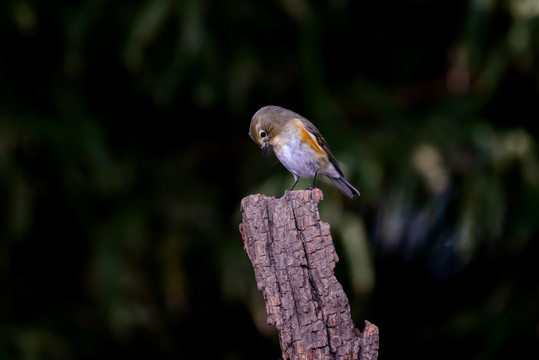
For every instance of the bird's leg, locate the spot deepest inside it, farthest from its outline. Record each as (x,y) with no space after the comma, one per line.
(295,182)
(314,180)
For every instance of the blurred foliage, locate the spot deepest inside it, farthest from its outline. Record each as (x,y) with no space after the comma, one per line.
(124,156)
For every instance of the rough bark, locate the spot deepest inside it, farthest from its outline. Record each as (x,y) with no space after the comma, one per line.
(293,259)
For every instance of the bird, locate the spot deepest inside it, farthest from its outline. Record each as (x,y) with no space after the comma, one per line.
(298,145)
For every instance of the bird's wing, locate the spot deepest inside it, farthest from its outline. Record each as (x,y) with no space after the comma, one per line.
(311,129)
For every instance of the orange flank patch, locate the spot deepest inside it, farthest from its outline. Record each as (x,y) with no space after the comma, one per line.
(308,138)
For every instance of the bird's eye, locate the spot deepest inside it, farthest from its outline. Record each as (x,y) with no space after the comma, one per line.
(263,134)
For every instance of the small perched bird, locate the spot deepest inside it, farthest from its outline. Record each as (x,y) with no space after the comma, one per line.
(298,145)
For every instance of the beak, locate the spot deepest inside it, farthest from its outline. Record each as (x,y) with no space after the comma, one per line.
(265,149)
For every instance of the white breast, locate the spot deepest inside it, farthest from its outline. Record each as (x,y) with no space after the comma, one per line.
(294,157)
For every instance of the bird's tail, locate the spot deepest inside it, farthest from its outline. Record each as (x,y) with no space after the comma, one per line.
(346,188)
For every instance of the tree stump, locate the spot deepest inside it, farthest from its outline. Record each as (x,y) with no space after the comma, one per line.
(293,259)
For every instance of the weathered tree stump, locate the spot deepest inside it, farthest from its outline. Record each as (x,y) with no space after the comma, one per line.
(293,259)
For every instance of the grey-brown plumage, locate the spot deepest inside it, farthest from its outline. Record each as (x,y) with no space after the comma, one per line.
(298,145)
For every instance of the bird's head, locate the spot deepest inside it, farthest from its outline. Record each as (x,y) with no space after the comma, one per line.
(266,125)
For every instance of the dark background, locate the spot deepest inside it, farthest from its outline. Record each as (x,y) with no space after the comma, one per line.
(124,156)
